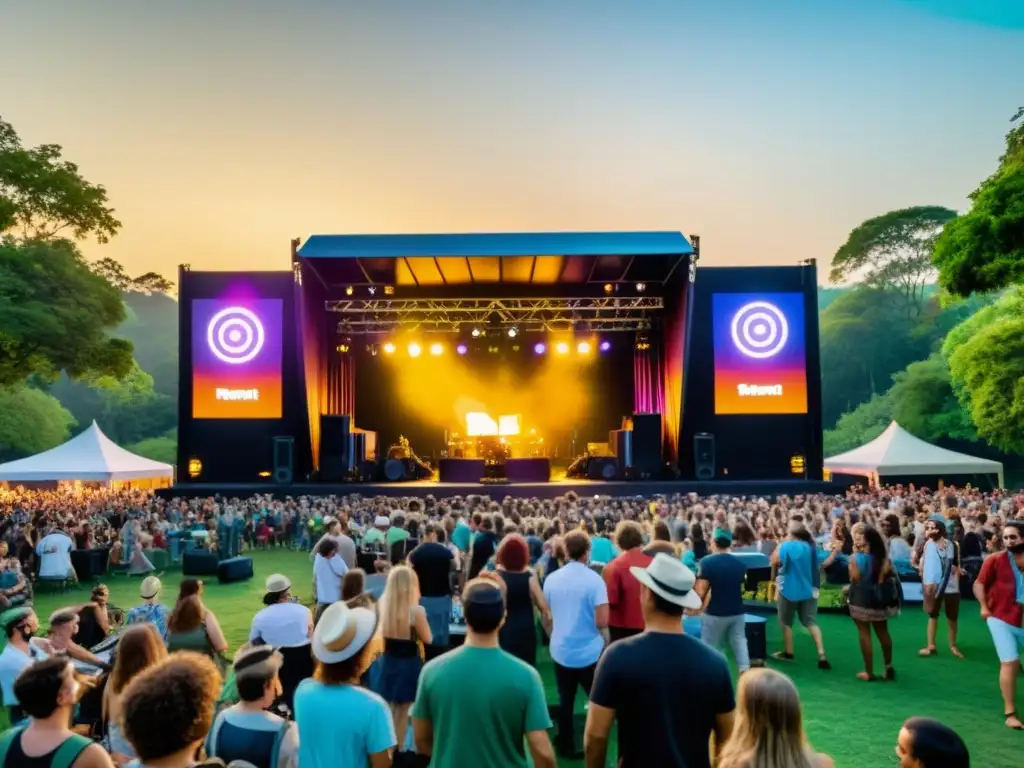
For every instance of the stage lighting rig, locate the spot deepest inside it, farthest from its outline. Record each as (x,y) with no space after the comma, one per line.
(462,349)
(389,290)
(561,348)
(605,346)
(414,350)
(389,348)
(643,342)
(437,349)
(641,287)
(477,333)
(513,332)
(349,290)
(583,348)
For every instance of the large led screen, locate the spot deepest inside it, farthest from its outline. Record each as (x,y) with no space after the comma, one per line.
(760,354)
(236,358)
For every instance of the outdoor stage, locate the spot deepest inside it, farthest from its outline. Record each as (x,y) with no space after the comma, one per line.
(589,488)
(508,350)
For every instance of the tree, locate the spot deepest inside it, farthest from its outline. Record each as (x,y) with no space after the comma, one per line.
(983,250)
(865,337)
(55,315)
(44,197)
(30,421)
(986,363)
(893,252)
(150,283)
(923,402)
(112,271)
(163,448)
(861,425)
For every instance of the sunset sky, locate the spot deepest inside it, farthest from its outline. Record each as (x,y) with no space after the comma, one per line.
(222,129)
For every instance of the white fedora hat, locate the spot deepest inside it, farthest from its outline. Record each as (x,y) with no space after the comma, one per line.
(342,632)
(668,577)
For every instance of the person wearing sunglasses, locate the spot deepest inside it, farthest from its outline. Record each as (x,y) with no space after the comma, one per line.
(999,589)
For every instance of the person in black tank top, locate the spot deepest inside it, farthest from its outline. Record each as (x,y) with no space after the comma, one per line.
(518,635)
(47,692)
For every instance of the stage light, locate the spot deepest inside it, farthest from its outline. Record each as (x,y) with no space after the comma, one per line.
(195,468)
(608,287)
(540,348)
(493,350)
(462,349)
(372,290)
(389,290)
(641,287)
(342,348)
(389,348)
(476,333)
(561,347)
(605,346)
(414,350)
(513,332)
(583,347)
(436,349)
(372,349)
(349,291)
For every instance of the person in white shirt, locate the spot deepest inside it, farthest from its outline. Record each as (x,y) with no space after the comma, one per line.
(578,599)
(19,626)
(328,571)
(54,552)
(283,623)
(346,546)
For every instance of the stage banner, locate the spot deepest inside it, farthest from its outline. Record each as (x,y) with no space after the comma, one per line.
(236,358)
(760,353)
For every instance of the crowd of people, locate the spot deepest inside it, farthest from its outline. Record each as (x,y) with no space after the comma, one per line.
(635,598)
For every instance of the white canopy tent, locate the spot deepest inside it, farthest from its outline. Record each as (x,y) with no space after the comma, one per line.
(897,453)
(88,457)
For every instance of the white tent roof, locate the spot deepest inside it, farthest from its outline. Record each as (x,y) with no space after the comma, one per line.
(897,452)
(89,456)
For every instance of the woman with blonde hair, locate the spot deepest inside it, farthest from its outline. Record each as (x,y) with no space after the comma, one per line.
(769,730)
(404,627)
(139,648)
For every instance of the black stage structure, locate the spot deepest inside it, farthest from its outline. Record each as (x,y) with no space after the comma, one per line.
(291,383)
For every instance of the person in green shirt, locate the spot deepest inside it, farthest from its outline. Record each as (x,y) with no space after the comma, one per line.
(495,719)
(397,531)
(376,534)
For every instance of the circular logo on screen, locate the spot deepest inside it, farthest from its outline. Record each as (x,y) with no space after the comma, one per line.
(235,335)
(759,329)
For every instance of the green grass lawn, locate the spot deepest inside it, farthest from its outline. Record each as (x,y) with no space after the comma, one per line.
(854,722)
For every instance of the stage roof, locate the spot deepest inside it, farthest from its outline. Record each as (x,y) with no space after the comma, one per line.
(517,257)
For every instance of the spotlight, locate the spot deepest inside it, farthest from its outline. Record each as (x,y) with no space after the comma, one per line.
(493,350)
(462,349)
(436,349)
(476,333)
(540,348)
(414,350)
(561,347)
(389,290)
(513,332)
(583,347)
(349,290)
(342,348)
(608,287)
(389,348)
(605,346)
(643,342)
(641,287)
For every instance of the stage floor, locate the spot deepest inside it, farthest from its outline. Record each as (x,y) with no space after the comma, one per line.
(550,490)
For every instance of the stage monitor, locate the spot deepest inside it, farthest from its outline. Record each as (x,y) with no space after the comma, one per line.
(760,354)
(236,358)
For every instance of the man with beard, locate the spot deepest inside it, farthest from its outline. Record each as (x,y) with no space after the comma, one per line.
(19,626)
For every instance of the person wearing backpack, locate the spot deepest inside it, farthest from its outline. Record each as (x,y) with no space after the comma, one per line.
(47,692)
(246,731)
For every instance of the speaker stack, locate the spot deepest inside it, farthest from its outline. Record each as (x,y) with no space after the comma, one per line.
(284,460)
(337,449)
(704,455)
(646,449)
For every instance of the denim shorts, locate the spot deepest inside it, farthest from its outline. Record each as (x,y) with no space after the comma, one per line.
(1008,639)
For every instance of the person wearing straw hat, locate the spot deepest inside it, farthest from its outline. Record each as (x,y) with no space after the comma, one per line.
(151,611)
(669,692)
(247,731)
(365,734)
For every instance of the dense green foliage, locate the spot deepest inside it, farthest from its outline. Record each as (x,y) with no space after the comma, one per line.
(983,250)
(30,421)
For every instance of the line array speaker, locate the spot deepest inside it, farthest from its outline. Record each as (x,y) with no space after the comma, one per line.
(336,447)
(647,458)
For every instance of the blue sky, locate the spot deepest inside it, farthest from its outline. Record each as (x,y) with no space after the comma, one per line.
(223,129)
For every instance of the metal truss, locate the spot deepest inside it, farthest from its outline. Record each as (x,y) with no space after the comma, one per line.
(602,314)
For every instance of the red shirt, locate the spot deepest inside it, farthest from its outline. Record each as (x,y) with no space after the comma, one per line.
(624,590)
(1000,588)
